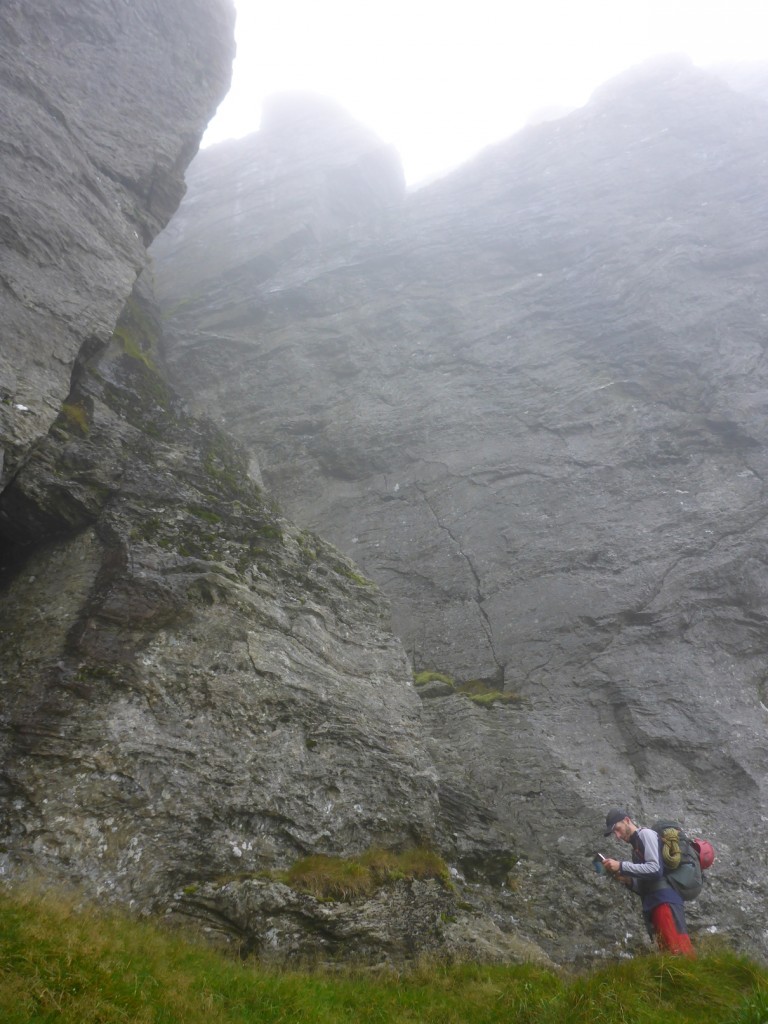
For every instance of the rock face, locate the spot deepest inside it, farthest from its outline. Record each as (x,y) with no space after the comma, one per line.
(394,927)
(219,691)
(530,401)
(175,656)
(103,106)
(310,173)
(191,688)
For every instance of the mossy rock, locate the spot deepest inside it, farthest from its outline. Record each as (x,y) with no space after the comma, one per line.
(348,878)
(76,418)
(494,697)
(430,676)
(481,692)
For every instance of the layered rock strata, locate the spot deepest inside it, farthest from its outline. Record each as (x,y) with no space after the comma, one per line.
(191,686)
(399,925)
(103,106)
(529,398)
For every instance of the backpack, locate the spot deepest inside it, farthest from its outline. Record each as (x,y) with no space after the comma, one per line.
(683,859)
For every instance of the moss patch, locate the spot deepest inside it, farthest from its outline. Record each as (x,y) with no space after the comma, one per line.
(422,678)
(480,692)
(477,690)
(75,416)
(346,878)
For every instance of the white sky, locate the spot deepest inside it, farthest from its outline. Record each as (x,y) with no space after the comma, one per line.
(440,79)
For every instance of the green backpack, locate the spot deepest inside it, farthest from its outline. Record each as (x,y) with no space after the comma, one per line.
(680,859)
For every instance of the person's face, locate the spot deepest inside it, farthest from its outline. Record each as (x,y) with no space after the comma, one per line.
(623,830)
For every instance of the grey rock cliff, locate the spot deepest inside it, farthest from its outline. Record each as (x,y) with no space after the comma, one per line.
(309,174)
(398,925)
(103,106)
(530,401)
(218,691)
(191,688)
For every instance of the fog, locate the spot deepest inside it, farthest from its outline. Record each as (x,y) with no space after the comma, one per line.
(440,81)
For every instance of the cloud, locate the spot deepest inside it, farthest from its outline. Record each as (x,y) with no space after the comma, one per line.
(440,81)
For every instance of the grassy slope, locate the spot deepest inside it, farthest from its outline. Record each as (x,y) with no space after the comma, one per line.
(80,967)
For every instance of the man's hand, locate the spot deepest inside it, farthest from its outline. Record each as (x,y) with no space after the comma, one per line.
(612,866)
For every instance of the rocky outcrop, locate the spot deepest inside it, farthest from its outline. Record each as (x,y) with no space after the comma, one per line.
(399,925)
(103,108)
(191,685)
(529,401)
(192,688)
(310,174)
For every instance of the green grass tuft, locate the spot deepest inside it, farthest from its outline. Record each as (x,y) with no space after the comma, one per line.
(476,690)
(75,416)
(60,964)
(356,577)
(347,878)
(422,678)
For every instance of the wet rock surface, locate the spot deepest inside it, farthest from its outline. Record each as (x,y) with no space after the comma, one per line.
(194,689)
(402,925)
(103,108)
(190,683)
(530,402)
(191,686)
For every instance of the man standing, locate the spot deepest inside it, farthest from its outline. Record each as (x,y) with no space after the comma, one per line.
(663,907)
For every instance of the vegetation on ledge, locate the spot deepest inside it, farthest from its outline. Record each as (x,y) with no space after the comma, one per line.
(73,966)
(344,878)
(75,416)
(477,690)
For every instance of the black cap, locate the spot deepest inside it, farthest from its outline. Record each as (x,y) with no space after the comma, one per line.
(615,815)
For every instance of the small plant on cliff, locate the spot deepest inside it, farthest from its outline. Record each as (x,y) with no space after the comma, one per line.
(137,333)
(494,697)
(76,417)
(357,578)
(346,878)
(133,349)
(422,678)
(476,690)
(479,692)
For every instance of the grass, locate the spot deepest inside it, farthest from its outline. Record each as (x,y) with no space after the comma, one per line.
(76,417)
(476,690)
(422,678)
(77,966)
(344,878)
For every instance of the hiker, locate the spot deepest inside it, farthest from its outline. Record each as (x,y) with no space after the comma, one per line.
(663,907)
